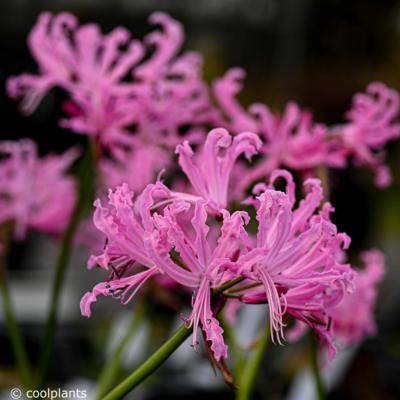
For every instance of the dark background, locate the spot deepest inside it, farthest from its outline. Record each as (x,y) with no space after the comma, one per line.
(318,53)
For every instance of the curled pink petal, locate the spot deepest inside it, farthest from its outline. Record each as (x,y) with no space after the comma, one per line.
(209,172)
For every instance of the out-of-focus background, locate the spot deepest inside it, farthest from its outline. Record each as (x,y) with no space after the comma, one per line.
(318,53)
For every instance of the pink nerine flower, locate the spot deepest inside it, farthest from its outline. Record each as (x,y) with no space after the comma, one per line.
(117,94)
(291,139)
(209,172)
(35,192)
(142,243)
(294,258)
(293,265)
(353,318)
(170,93)
(89,66)
(137,100)
(371,125)
(207,252)
(125,226)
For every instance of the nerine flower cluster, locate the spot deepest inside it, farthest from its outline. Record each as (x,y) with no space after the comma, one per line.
(145,103)
(35,193)
(137,99)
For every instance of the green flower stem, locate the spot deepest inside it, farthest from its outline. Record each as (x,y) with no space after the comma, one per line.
(242,288)
(14,332)
(319,385)
(113,365)
(161,355)
(229,295)
(150,365)
(85,185)
(251,367)
(238,355)
(227,285)
(17,343)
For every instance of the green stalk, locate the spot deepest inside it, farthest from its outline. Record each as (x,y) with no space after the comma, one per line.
(227,285)
(161,355)
(150,365)
(14,333)
(238,356)
(112,367)
(17,343)
(251,368)
(319,385)
(85,186)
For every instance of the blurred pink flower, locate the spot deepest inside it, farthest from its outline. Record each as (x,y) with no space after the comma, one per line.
(170,93)
(117,95)
(353,317)
(372,124)
(137,100)
(89,66)
(35,193)
(292,139)
(137,168)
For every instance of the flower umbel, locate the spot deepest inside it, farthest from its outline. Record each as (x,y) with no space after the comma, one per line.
(35,193)
(295,257)
(371,124)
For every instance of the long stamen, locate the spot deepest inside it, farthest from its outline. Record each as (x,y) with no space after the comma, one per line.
(274,305)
